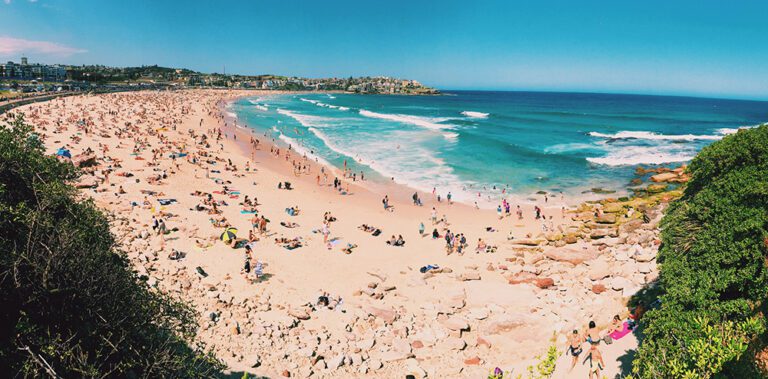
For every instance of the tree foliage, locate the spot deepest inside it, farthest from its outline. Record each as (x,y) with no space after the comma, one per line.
(713,266)
(71,306)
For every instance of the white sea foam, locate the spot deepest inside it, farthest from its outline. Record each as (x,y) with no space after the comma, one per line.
(324,105)
(425,122)
(260,107)
(330,96)
(568,147)
(299,148)
(635,155)
(410,164)
(304,120)
(655,136)
(475,114)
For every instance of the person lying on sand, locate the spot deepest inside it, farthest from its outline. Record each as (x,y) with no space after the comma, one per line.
(399,241)
(327,216)
(349,248)
(289,224)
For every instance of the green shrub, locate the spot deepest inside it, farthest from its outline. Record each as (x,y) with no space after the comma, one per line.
(712,264)
(71,306)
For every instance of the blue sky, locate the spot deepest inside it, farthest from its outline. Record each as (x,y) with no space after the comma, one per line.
(704,47)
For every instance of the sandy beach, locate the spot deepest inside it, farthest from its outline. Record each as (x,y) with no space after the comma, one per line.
(319,295)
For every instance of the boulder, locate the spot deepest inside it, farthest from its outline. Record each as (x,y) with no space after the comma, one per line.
(471,275)
(502,324)
(387,315)
(456,323)
(299,313)
(606,218)
(605,232)
(454,343)
(527,242)
(599,269)
(664,177)
(619,283)
(544,283)
(474,361)
(598,288)
(570,255)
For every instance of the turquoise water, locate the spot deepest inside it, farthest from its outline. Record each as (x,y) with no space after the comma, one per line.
(472,142)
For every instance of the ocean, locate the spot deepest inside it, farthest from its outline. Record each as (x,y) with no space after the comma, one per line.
(482,143)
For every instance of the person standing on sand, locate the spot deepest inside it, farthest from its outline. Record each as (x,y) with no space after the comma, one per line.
(421,229)
(574,347)
(596,363)
(434,216)
(326,231)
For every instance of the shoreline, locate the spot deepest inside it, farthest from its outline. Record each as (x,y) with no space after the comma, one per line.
(390,318)
(405,191)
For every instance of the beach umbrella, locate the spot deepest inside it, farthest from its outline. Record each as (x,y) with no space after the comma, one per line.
(62,152)
(229,234)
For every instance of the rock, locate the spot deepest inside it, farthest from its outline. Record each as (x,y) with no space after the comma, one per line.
(454,343)
(571,255)
(521,277)
(478,313)
(502,324)
(599,269)
(393,356)
(606,218)
(656,188)
(417,344)
(665,177)
(651,277)
(472,275)
(387,315)
(366,344)
(544,283)
(414,369)
(613,208)
(527,242)
(474,361)
(286,374)
(253,361)
(299,313)
(552,237)
(618,283)
(456,323)
(375,364)
(337,361)
(644,256)
(644,268)
(320,364)
(598,288)
(483,342)
(600,233)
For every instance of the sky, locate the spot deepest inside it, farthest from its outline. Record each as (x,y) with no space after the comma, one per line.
(679,47)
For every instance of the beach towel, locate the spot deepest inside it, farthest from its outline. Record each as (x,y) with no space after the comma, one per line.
(166,201)
(248,212)
(617,334)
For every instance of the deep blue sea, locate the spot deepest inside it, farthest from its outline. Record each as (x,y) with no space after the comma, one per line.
(471,142)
